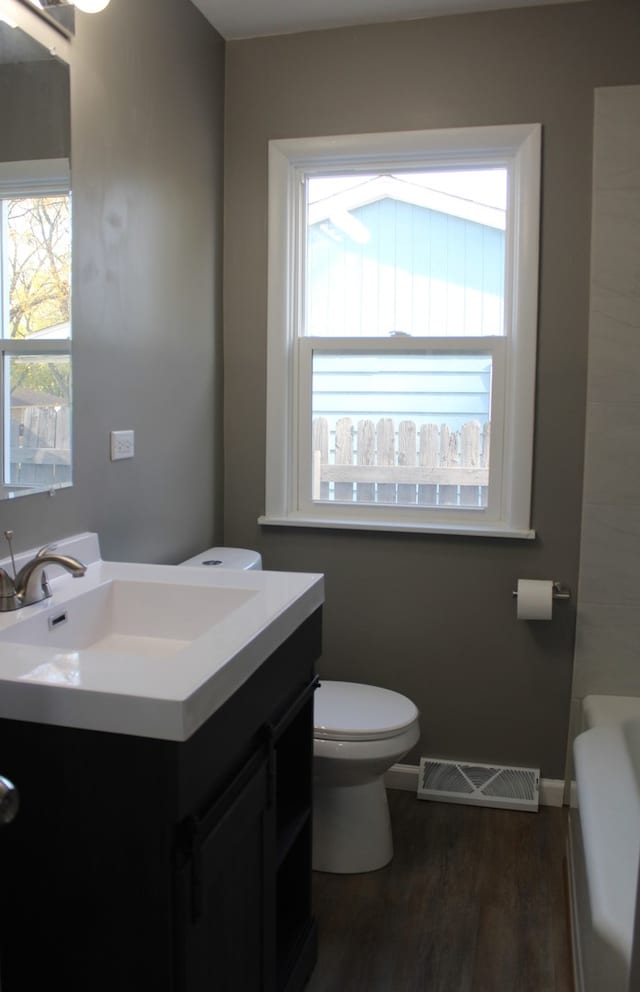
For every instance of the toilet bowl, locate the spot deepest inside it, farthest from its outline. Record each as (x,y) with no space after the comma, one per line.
(360,731)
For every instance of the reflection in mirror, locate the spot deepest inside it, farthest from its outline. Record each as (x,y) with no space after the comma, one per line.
(60,12)
(35,267)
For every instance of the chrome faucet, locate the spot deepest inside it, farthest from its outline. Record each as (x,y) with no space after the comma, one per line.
(30,585)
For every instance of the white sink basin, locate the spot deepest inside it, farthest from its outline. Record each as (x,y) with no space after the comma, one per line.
(149,650)
(126,616)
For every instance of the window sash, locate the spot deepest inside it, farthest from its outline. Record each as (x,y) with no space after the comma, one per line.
(39,451)
(41,177)
(424,299)
(36,177)
(494,347)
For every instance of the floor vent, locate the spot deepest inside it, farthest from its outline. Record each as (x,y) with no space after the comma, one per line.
(501,786)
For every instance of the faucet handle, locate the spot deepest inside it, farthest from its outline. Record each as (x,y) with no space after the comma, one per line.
(46,550)
(9,536)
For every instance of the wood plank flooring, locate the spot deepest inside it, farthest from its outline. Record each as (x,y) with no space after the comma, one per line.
(473,901)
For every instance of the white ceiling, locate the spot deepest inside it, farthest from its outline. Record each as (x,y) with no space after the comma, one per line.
(251,18)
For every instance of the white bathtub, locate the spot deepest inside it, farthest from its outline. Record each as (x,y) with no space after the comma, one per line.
(604,842)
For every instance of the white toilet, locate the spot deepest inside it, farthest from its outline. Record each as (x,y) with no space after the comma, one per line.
(242,558)
(360,732)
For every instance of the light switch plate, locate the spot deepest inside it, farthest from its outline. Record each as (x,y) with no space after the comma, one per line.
(122,445)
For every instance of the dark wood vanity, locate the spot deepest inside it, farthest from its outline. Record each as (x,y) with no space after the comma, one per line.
(143,865)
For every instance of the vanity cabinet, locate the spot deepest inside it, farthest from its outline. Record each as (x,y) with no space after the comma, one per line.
(139,864)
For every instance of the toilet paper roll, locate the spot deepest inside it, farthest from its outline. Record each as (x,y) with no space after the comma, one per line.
(535,599)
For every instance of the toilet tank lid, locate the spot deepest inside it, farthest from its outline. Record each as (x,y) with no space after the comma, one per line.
(351,711)
(243,558)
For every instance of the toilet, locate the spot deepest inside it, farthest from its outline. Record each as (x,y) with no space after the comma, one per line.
(242,558)
(360,731)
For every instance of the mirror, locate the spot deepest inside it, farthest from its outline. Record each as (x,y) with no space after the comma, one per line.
(35,266)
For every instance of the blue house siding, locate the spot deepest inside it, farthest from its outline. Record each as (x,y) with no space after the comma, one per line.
(445,389)
(419,272)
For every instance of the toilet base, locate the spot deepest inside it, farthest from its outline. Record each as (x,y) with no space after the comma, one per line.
(351,828)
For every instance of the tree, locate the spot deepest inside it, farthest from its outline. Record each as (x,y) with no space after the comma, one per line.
(39,270)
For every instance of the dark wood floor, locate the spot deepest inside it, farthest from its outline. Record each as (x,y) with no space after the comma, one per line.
(473,901)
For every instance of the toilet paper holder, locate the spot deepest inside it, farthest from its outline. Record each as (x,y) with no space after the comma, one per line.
(559,592)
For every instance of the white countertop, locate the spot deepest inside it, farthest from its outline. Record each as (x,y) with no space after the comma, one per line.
(166,697)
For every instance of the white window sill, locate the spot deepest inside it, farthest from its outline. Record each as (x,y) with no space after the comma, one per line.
(463,530)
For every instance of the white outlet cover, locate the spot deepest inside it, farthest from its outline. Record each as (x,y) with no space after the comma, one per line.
(122,445)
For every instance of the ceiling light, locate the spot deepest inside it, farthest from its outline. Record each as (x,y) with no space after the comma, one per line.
(91,6)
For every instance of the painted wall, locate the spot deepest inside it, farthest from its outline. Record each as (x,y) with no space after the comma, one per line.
(608,629)
(147,91)
(37,93)
(433,616)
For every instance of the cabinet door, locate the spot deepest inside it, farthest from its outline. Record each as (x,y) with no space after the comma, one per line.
(296,940)
(224,892)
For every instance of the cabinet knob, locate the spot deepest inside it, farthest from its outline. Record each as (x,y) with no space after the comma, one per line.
(9,801)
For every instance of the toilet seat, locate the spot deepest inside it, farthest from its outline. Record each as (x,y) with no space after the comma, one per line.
(348,711)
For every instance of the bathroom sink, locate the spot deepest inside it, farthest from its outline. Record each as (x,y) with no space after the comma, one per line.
(135,618)
(143,649)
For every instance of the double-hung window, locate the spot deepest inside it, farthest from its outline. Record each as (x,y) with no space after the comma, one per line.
(35,324)
(402,322)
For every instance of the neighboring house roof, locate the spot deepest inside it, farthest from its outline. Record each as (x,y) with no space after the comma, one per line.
(56,332)
(337,206)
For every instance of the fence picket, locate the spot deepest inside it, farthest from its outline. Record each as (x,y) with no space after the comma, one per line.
(470,455)
(407,456)
(448,495)
(366,455)
(344,456)
(429,444)
(385,450)
(486,436)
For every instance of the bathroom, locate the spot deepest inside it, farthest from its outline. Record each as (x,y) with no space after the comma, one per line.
(169,132)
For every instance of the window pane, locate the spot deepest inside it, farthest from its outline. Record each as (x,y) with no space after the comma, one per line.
(38,267)
(401,429)
(419,253)
(39,448)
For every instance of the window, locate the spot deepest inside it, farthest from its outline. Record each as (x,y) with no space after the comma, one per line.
(402,330)
(35,324)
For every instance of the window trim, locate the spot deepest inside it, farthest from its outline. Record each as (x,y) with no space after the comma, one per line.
(518,147)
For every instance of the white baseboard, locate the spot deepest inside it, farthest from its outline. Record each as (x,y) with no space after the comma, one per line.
(405,777)
(551,792)
(402,777)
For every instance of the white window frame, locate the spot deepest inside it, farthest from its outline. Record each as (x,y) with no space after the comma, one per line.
(37,177)
(287,496)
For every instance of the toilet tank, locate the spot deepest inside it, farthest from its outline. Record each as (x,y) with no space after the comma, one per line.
(242,558)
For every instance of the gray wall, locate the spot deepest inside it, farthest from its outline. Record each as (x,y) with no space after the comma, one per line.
(433,616)
(608,628)
(34,111)
(147,94)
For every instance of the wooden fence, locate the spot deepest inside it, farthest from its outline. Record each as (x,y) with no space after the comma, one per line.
(40,445)
(426,464)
